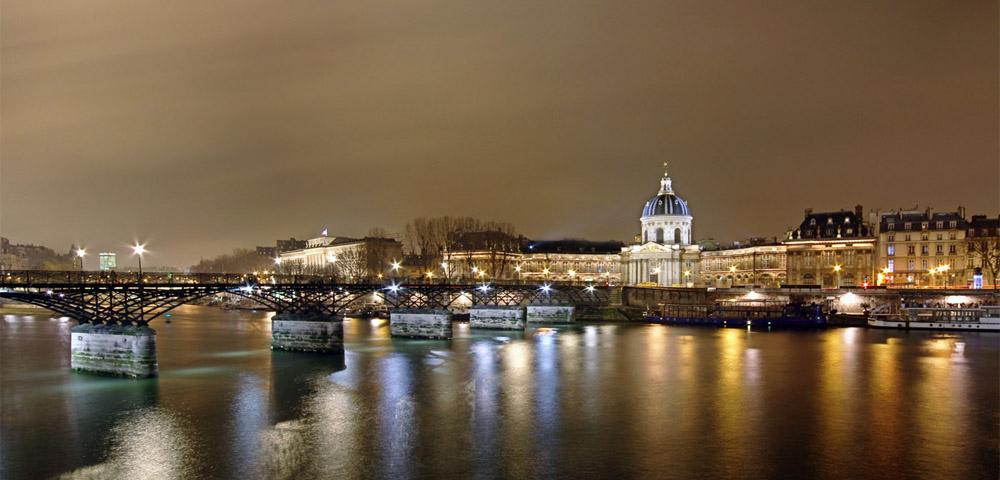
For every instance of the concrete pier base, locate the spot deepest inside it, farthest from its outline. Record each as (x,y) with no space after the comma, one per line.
(420,323)
(499,317)
(550,314)
(124,350)
(307,333)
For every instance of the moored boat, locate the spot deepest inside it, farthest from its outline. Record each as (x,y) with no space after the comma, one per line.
(986,317)
(743,314)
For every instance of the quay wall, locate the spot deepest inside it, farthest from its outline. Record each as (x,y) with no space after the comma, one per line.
(845,300)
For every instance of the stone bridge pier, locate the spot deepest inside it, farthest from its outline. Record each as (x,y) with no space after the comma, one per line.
(307,332)
(123,350)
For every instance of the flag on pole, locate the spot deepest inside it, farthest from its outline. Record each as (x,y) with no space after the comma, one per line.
(323,233)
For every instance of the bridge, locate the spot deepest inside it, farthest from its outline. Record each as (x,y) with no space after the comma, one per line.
(125,300)
(114,311)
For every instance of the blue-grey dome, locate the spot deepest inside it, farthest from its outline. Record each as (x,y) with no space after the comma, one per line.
(666,204)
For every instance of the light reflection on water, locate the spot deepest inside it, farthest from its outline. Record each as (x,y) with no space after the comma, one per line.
(568,401)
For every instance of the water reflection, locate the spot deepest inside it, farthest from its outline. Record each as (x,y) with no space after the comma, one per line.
(574,401)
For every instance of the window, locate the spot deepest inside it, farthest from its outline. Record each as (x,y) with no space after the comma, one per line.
(891,227)
(940,236)
(892,238)
(910,264)
(923,264)
(924,249)
(951,236)
(953,224)
(847,219)
(907,238)
(812,222)
(892,250)
(940,249)
(892,265)
(909,250)
(809,260)
(677,235)
(829,221)
(924,237)
(906,226)
(951,250)
(923,225)
(940,225)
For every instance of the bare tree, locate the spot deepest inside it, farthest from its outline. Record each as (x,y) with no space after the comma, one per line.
(987,251)
(354,263)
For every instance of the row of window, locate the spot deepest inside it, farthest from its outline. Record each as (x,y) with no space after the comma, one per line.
(924,250)
(923,225)
(955,264)
(923,237)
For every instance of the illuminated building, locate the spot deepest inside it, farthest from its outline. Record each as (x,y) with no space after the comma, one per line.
(474,256)
(352,258)
(922,248)
(108,261)
(664,255)
(831,249)
(761,264)
(572,260)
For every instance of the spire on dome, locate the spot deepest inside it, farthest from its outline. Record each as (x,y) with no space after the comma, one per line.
(665,183)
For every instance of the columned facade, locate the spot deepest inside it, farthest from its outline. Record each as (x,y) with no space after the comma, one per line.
(665,255)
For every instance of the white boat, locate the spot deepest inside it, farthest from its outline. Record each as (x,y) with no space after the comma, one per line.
(985,317)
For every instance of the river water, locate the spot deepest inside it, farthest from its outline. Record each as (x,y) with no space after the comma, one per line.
(580,401)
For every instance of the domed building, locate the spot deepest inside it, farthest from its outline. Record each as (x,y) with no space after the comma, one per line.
(665,255)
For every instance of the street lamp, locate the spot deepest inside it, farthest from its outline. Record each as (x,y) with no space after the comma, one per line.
(836,268)
(732,275)
(138,250)
(687,278)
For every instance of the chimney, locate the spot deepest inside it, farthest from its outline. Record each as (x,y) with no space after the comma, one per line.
(809,211)
(859,212)
(929,214)
(961,212)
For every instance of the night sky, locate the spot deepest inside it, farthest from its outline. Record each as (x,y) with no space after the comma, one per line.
(197,127)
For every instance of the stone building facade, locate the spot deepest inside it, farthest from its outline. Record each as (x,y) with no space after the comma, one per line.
(350,258)
(831,249)
(922,248)
(754,265)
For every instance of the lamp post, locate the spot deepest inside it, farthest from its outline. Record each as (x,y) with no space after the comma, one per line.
(836,268)
(138,249)
(732,275)
(687,278)
(80,253)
